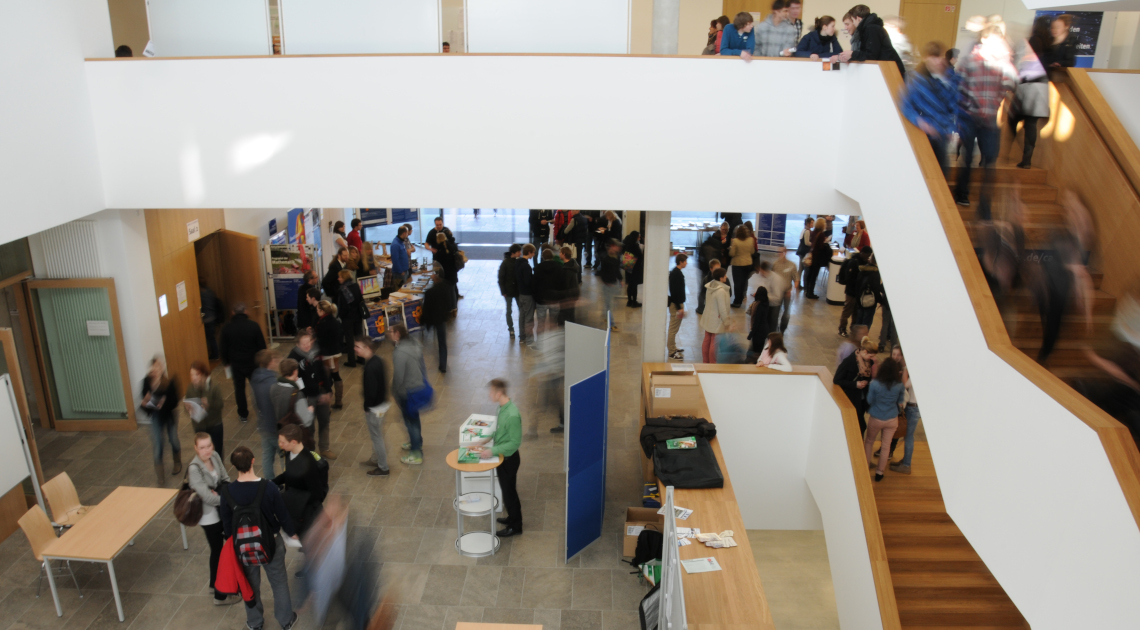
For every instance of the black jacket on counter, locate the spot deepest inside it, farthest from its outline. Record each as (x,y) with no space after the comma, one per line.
(241,340)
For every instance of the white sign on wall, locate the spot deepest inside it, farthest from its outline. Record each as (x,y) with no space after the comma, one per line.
(180,289)
(193,231)
(98,328)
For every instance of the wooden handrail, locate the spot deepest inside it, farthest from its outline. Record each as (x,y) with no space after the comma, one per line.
(1119,142)
(872,529)
(1114,437)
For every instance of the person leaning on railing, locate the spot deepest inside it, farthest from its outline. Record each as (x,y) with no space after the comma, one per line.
(738,39)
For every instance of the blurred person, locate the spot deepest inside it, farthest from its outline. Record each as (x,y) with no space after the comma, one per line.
(886,399)
(721,22)
(352,312)
(803,247)
(716,316)
(549,370)
(212,314)
(776,287)
(262,382)
(541,221)
(160,398)
(289,403)
(577,233)
(374,384)
(241,341)
(895,26)
(304,484)
(330,339)
(353,264)
(632,246)
(987,76)
(775,35)
(854,374)
(714,35)
(205,474)
(774,356)
(244,491)
(446,47)
(317,386)
(758,319)
(431,241)
(1063,53)
(436,312)
(447,252)
(820,257)
(795,10)
(931,102)
(888,336)
(124,51)
(730,350)
(1117,389)
(507,438)
(707,253)
(951,59)
(869,40)
(608,230)
(401,259)
(306,312)
(737,39)
(208,397)
(676,305)
(338,575)
(852,343)
(509,284)
(849,278)
(1031,96)
(611,281)
(870,290)
(571,285)
(859,236)
(548,289)
(725,237)
(524,282)
(740,253)
(705,279)
(730,220)
(409,377)
(1063,281)
(785,269)
(820,42)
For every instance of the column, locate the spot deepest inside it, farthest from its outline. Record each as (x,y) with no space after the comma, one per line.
(666,26)
(655,287)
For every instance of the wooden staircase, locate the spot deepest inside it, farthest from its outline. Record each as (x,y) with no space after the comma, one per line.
(939,580)
(1043,216)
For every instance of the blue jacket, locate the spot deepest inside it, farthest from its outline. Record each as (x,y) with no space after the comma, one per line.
(932,100)
(400,259)
(812,44)
(883,402)
(732,43)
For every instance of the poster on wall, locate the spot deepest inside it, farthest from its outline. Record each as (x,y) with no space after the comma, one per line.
(377,322)
(295,224)
(1086,27)
(770,230)
(289,259)
(285,290)
(388,216)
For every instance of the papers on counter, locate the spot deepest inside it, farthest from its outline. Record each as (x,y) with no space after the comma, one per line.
(700,565)
(678,512)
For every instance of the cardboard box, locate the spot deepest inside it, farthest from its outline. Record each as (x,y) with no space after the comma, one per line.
(673,393)
(637,518)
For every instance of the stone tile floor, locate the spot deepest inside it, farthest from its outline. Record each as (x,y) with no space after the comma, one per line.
(407,518)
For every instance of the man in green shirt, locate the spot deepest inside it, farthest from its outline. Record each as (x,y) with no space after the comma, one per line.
(508,436)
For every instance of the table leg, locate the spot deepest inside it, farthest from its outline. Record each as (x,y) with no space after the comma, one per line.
(115,588)
(459,493)
(54,592)
(185,545)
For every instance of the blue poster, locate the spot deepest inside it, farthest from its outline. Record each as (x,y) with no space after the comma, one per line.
(586,463)
(404,215)
(285,289)
(413,311)
(374,216)
(295,224)
(764,222)
(1086,26)
(779,222)
(377,322)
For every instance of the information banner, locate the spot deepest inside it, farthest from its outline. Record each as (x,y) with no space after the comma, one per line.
(377,322)
(285,290)
(388,216)
(413,312)
(1086,26)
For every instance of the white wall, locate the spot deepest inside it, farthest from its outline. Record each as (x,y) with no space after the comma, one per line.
(192,28)
(1122,91)
(829,475)
(314,27)
(48,155)
(764,437)
(548,26)
(1028,484)
(217,134)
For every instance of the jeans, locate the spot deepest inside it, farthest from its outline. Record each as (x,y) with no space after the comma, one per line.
(161,423)
(988,139)
(412,424)
(938,144)
(740,275)
(864,316)
(441,341)
(874,427)
(912,418)
(268,452)
(526,317)
(542,311)
(708,348)
(674,326)
(216,539)
(510,321)
(240,377)
(786,317)
(508,482)
(609,294)
(375,425)
(278,578)
(323,417)
(216,434)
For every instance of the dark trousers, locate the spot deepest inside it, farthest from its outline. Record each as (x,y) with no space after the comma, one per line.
(988,140)
(441,341)
(216,436)
(1030,128)
(864,316)
(351,330)
(211,341)
(813,275)
(849,302)
(215,539)
(888,334)
(939,146)
(740,275)
(508,480)
(583,251)
(240,377)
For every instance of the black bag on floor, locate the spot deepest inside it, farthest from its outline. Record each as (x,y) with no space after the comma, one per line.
(687,468)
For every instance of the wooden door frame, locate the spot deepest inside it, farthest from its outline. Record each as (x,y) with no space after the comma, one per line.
(48,409)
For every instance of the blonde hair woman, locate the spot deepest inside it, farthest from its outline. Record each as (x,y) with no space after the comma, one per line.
(329,338)
(740,254)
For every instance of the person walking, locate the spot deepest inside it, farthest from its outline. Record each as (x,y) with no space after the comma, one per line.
(577,233)
(803,248)
(676,304)
(448,262)
(436,312)
(776,36)
(548,288)
(633,275)
(786,270)
(331,280)
(304,483)
(211,315)
(352,311)
(870,290)
(409,378)
(1031,96)
(758,320)
(849,278)
(329,337)
(714,320)
(374,382)
(206,473)
(317,387)
(931,104)
(262,381)
(737,39)
(207,397)
(886,398)
(507,438)
(306,312)
(611,281)
(774,356)
(820,42)
(740,252)
(248,490)
(820,256)
(160,398)
(509,284)
(401,259)
(241,341)
(289,403)
(524,281)
(571,286)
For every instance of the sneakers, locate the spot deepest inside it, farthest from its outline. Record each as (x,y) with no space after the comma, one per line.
(378,472)
(900,468)
(413,458)
(407,446)
(512,331)
(962,201)
(327,454)
(677,356)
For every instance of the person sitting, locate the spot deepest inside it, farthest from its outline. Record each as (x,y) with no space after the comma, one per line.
(820,43)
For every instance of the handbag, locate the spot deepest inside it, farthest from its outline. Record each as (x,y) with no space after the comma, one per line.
(628,261)
(421,398)
(460,260)
(900,432)
(187,503)
(867,299)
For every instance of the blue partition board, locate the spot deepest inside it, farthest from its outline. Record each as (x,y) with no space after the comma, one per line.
(586,462)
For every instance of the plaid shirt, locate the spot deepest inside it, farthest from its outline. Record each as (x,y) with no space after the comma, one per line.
(984,85)
(799,24)
(772,38)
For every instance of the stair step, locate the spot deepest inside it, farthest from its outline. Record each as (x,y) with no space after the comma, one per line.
(1031,193)
(1033,212)
(1102,303)
(919,528)
(1006,173)
(941,579)
(988,599)
(916,548)
(978,621)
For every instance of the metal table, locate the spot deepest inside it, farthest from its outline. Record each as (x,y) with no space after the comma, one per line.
(476,544)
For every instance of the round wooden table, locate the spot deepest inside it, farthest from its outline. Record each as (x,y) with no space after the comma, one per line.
(476,544)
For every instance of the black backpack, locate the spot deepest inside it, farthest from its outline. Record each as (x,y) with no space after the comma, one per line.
(252,542)
(650,544)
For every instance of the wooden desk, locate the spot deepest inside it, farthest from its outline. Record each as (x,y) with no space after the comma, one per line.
(732,597)
(106,530)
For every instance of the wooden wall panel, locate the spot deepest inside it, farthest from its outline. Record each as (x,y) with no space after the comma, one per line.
(173,259)
(12,506)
